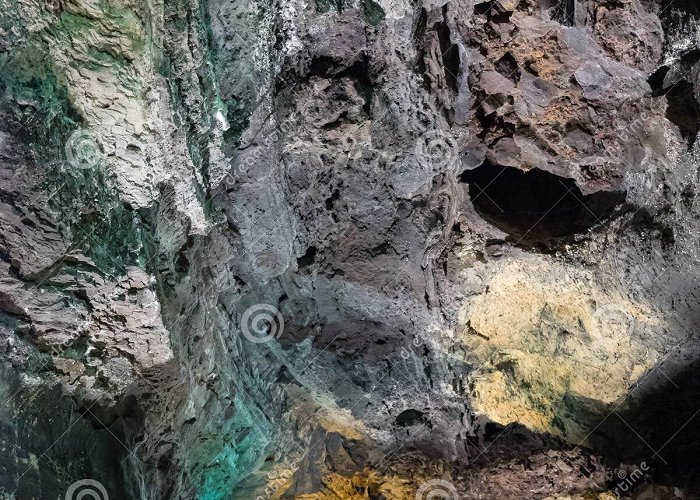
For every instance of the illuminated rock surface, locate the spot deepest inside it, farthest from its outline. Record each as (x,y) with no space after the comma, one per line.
(474,226)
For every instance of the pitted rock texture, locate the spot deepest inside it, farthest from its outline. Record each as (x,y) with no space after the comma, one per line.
(477,220)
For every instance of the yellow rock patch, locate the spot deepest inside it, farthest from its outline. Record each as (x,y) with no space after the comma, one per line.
(552,345)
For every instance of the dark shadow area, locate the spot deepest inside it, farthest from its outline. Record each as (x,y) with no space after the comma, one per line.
(507,66)
(50,440)
(691,7)
(450,56)
(564,12)
(660,427)
(536,208)
(665,420)
(676,81)
(411,417)
(683,110)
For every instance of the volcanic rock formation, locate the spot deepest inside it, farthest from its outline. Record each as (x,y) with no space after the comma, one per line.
(349,249)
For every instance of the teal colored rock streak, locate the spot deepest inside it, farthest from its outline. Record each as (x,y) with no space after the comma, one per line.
(219,468)
(100,225)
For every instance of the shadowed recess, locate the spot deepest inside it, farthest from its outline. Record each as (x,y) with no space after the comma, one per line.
(660,425)
(535,207)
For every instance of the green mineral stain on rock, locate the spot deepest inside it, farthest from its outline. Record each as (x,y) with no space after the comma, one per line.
(39,362)
(31,92)
(225,459)
(101,226)
(374,14)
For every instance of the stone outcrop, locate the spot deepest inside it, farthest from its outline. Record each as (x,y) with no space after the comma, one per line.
(349,248)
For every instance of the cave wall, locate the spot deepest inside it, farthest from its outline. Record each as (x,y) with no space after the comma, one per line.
(173,171)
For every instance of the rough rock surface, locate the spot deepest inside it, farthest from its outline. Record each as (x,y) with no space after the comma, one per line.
(349,248)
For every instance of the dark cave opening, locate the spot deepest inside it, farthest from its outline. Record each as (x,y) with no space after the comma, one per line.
(411,417)
(308,258)
(683,110)
(536,207)
(675,85)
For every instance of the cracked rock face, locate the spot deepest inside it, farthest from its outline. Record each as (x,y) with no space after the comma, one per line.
(384,249)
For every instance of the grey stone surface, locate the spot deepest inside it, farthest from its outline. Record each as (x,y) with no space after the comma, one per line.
(332,160)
